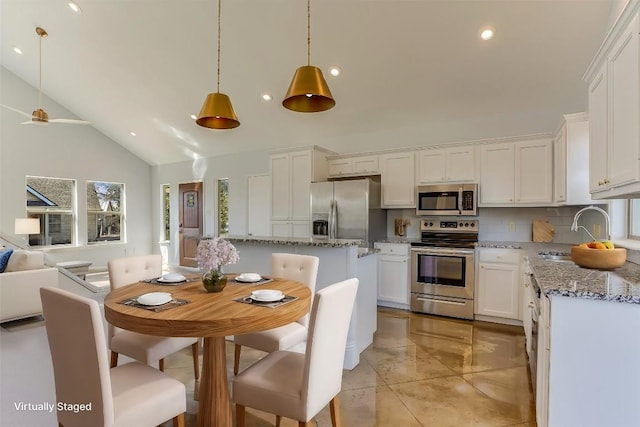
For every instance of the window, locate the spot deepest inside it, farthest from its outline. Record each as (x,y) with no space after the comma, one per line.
(104,212)
(166,212)
(634,219)
(223,206)
(52,201)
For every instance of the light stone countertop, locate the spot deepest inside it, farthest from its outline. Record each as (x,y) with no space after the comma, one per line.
(570,280)
(295,241)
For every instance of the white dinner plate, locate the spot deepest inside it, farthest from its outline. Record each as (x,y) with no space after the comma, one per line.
(155,298)
(172,278)
(249,278)
(267,295)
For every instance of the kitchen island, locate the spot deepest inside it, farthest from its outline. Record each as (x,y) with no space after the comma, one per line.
(340,259)
(588,364)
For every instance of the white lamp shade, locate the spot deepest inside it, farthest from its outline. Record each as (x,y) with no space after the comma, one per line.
(27,226)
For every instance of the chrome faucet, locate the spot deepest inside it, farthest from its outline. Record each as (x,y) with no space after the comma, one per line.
(575,226)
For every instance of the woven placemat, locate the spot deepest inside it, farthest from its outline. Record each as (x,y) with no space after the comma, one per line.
(182,282)
(248,300)
(259,282)
(133,302)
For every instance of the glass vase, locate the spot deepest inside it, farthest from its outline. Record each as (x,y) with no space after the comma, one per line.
(214,280)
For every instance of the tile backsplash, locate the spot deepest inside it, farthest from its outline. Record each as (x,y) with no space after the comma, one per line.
(515,224)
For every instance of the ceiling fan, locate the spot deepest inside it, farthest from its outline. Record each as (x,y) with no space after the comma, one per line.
(39,116)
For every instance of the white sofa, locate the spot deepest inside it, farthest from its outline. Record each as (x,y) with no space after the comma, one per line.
(20,284)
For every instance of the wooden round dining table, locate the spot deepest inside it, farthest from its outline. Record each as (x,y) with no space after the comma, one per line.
(211,316)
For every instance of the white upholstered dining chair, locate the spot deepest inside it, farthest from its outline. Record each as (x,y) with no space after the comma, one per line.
(145,348)
(301,268)
(133,394)
(295,385)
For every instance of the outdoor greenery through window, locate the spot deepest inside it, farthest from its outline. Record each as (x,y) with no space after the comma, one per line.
(223,206)
(52,201)
(104,212)
(634,219)
(166,211)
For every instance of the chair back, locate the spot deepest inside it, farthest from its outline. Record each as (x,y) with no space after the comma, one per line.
(127,270)
(301,268)
(79,355)
(326,343)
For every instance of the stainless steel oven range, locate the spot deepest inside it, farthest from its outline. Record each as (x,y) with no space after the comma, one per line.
(442,268)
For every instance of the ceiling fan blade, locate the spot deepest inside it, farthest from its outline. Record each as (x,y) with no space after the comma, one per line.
(70,121)
(15,110)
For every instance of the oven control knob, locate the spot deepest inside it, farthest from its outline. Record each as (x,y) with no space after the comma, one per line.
(460,224)
(473,224)
(466,224)
(430,224)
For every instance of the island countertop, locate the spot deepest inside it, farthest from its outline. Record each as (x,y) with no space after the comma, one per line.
(570,280)
(295,241)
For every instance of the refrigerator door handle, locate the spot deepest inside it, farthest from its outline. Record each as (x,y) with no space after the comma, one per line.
(333,228)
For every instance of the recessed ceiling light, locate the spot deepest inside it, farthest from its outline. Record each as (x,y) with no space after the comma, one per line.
(17,50)
(74,6)
(335,71)
(132,133)
(193,117)
(266,97)
(487,33)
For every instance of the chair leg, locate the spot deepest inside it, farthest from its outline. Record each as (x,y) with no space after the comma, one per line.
(240,415)
(303,424)
(161,365)
(178,420)
(334,406)
(196,367)
(236,358)
(278,419)
(114,359)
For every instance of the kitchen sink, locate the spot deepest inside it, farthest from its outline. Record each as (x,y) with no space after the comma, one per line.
(558,257)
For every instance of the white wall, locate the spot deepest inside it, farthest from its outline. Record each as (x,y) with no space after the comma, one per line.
(68,151)
(235,167)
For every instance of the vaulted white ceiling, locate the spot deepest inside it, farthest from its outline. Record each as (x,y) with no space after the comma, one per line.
(415,72)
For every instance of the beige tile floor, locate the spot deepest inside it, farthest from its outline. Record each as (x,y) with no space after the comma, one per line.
(419,371)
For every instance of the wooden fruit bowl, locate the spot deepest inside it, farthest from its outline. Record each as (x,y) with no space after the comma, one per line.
(601,259)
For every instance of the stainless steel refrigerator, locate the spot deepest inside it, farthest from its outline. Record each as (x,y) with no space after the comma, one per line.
(348,209)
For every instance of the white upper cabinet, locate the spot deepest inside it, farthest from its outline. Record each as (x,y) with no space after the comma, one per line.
(291,175)
(497,172)
(614,109)
(398,180)
(598,131)
(454,164)
(354,166)
(519,173)
(570,157)
(340,167)
(534,172)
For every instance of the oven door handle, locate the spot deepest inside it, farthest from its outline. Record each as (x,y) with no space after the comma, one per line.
(443,301)
(460,200)
(432,251)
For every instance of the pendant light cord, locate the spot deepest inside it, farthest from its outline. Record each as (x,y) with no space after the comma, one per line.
(219,8)
(40,81)
(308,32)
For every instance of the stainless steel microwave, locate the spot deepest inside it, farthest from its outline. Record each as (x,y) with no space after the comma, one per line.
(447,200)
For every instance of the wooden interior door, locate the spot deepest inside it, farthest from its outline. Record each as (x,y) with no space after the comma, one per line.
(190,228)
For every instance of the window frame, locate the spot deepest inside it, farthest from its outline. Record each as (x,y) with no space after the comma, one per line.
(120,213)
(49,210)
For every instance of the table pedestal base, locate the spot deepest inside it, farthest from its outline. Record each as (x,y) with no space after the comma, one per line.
(214,407)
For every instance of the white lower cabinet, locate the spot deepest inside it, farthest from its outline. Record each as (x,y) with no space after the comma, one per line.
(527,309)
(498,281)
(291,228)
(543,359)
(393,274)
